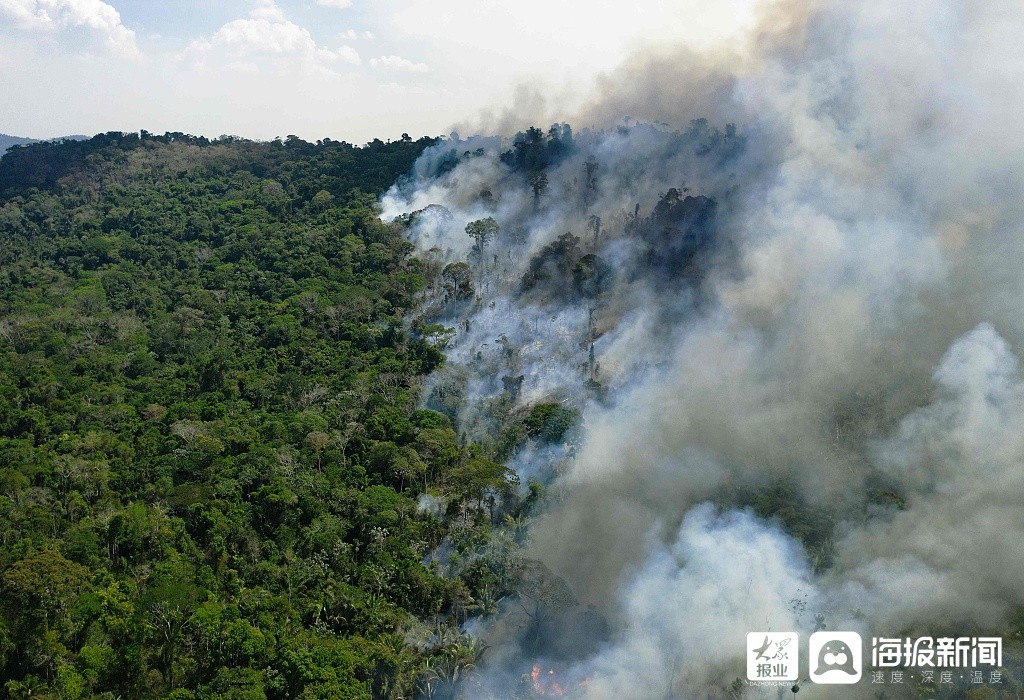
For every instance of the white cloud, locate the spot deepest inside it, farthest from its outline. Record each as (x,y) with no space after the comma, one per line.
(353,35)
(340,4)
(243,67)
(268,10)
(264,35)
(52,15)
(399,63)
(269,33)
(348,55)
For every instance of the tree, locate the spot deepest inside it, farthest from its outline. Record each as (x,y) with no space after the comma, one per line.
(38,592)
(171,602)
(538,183)
(438,447)
(594,224)
(451,666)
(478,478)
(44,584)
(458,281)
(590,169)
(481,231)
(542,594)
(529,151)
(321,200)
(318,442)
(548,422)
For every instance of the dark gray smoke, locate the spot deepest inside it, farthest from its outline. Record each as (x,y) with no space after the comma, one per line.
(811,317)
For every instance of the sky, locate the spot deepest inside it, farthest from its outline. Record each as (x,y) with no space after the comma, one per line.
(345,69)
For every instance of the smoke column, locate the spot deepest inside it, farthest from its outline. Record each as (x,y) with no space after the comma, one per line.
(803,402)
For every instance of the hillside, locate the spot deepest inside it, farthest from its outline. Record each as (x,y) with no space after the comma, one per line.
(211,462)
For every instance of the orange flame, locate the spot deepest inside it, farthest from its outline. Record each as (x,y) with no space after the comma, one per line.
(546,687)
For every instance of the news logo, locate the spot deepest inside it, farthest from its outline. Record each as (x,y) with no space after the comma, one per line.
(773,656)
(835,657)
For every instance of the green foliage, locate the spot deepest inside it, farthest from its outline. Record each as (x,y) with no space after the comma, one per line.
(457,279)
(481,231)
(533,150)
(561,270)
(548,422)
(210,453)
(543,423)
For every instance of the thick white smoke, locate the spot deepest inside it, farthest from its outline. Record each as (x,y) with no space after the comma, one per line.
(724,576)
(846,340)
(960,460)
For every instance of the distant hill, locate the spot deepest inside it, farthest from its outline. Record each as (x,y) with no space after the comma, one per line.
(6,140)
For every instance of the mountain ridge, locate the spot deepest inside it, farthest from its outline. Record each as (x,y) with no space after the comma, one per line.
(7,141)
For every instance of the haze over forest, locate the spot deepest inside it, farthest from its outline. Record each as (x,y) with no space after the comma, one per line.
(721,337)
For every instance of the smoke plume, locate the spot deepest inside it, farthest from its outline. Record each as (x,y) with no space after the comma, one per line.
(787,310)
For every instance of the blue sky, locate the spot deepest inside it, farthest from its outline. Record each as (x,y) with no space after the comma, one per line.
(347,69)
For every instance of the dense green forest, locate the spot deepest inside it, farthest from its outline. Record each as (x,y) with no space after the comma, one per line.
(212,467)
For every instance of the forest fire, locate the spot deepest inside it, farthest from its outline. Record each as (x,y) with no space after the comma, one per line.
(546,684)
